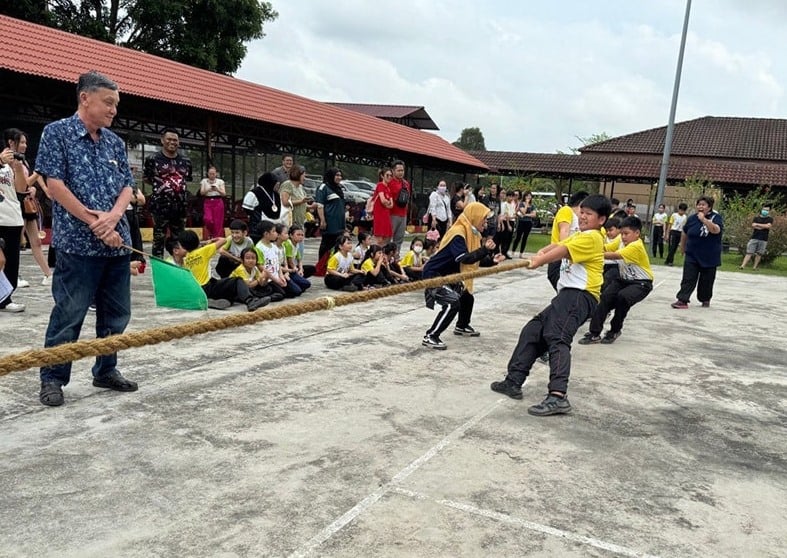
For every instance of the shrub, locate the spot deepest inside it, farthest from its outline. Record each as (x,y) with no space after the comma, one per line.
(739,211)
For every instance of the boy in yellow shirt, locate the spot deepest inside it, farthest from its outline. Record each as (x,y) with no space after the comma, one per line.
(621,291)
(553,329)
(565,224)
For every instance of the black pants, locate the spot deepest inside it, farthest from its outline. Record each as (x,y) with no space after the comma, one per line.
(336,283)
(161,225)
(553,273)
(674,242)
(11,236)
(234,289)
(450,305)
(523,229)
(503,239)
(553,330)
(441,226)
(620,296)
(327,243)
(136,234)
(657,244)
(695,276)
(225,266)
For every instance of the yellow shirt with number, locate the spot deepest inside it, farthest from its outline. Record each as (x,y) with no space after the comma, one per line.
(584,267)
(198,262)
(635,265)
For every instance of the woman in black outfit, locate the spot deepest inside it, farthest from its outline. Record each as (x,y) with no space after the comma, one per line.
(525,215)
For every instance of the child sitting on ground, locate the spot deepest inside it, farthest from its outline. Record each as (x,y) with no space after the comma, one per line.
(629,284)
(221,293)
(412,263)
(359,252)
(430,247)
(341,274)
(176,252)
(293,255)
(374,267)
(229,252)
(397,274)
(293,289)
(256,279)
(268,254)
(578,291)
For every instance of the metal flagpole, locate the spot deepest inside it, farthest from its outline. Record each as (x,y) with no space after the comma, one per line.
(671,124)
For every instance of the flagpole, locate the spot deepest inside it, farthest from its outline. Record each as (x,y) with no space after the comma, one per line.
(671,124)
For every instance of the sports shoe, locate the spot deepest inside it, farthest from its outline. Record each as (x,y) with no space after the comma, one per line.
(257,303)
(680,304)
(467,331)
(47,280)
(507,388)
(13,308)
(115,381)
(589,339)
(51,394)
(610,337)
(551,405)
(219,303)
(433,343)
(706,304)
(22,284)
(91,308)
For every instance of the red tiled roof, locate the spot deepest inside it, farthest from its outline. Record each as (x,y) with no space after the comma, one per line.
(42,51)
(635,167)
(720,137)
(416,114)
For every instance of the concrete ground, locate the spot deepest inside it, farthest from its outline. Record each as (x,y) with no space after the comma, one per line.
(337,434)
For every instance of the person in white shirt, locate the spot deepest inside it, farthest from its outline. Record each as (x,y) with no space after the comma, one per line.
(659,222)
(440,208)
(676,222)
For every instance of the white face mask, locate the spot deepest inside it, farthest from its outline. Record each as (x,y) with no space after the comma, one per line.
(418,249)
(441,189)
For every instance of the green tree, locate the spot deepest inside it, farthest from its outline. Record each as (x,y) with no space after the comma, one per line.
(208,34)
(471,139)
(589,140)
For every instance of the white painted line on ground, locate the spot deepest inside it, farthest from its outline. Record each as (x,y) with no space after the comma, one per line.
(511,520)
(372,498)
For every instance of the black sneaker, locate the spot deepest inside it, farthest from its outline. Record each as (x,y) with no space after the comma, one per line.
(590,339)
(706,304)
(433,343)
(257,303)
(551,405)
(219,303)
(506,388)
(467,331)
(115,381)
(51,394)
(610,337)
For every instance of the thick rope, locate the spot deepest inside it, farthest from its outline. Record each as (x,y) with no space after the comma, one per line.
(77,350)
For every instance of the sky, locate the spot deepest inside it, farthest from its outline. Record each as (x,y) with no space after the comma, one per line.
(533,75)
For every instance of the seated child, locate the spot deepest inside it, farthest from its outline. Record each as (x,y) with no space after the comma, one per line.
(229,253)
(268,254)
(630,284)
(413,263)
(430,247)
(578,291)
(293,255)
(359,252)
(292,289)
(221,293)
(396,273)
(341,274)
(374,267)
(176,252)
(257,280)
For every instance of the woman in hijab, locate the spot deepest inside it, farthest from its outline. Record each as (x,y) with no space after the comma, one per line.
(461,250)
(262,203)
(330,207)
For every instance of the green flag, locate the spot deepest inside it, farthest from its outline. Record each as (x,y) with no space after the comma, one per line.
(175,287)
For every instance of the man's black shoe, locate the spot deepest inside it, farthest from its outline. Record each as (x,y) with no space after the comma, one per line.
(467,331)
(610,337)
(551,405)
(51,394)
(507,388)
(115,381)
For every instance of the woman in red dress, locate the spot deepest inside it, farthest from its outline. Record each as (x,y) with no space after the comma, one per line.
(382,208)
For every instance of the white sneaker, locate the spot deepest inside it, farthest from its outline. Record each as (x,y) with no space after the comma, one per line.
(22,284)
(13,307)
(47,280)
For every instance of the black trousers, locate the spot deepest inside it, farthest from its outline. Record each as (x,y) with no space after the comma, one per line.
(327,243)
(620,296)
(674,242)
(450,306)
(694,276)
(225,266)
(336,283)
(234,289)
(657,243)
(11,236)
(503,239)
(523,228)
(136,234)
(551,330)
(553,273)
(441,227)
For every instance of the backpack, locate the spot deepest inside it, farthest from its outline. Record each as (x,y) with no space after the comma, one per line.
(403,198)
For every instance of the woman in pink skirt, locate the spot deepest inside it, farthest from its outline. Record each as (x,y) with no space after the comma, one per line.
(213,191)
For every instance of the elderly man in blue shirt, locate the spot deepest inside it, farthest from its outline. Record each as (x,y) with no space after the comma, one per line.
(89,179)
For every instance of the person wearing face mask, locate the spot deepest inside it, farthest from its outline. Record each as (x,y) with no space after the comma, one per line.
(460,251)
(440,208)
(759,237)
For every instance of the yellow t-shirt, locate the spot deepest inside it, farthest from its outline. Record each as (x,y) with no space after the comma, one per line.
(635,265)
(585,266)
(339,262)
(198,262)
(564,215)
(241,272)
(368,265)
(612,245)
(410,259)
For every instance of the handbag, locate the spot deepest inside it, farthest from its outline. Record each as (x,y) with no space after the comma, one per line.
(30,206)
(403,197)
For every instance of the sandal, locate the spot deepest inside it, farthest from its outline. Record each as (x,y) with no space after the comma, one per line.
(51,394)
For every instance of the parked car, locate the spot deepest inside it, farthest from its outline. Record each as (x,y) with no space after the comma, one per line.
(364,185)
(355,194)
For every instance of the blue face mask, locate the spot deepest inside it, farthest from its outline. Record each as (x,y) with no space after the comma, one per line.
(764,212)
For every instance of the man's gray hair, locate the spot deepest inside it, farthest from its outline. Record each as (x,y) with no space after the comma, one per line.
(92,81)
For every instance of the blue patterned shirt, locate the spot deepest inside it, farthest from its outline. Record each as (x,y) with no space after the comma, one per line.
(94,171)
